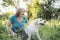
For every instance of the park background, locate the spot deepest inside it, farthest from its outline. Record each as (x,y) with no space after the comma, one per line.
(45,9)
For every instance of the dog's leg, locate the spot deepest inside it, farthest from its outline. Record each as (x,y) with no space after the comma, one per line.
(29,37)
(38,36)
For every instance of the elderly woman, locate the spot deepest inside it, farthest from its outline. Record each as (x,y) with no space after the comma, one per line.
(18,21)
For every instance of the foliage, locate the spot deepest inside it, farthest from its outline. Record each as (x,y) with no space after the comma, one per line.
(38,10)
(50,31)
(34,10)
(4,18)
(4,35)
(14,3)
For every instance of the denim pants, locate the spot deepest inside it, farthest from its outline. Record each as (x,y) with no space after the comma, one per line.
(22,33)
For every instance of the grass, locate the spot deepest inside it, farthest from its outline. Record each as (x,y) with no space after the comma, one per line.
(51,31)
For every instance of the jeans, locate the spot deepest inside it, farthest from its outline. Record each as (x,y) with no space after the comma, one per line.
(22,33)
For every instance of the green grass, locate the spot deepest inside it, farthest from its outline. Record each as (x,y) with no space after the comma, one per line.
(51,31)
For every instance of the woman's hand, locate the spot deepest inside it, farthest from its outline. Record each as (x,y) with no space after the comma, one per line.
(8,25)
(27,23)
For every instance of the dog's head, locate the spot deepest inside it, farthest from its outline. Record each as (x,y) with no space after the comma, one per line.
(39,21)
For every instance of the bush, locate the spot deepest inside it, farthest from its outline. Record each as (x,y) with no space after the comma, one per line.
(4,35)
(49,32)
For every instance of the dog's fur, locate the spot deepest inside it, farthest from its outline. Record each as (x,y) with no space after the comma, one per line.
(33,28)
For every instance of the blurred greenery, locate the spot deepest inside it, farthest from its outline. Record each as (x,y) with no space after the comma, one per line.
(35,10)
(51,30)
(42,10)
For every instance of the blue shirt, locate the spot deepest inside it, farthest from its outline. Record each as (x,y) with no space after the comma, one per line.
(17,25)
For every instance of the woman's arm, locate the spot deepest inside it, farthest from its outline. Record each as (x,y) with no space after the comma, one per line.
(8,24)
(26,25)
(10,21)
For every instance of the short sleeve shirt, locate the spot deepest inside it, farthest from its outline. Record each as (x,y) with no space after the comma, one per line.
(16,24)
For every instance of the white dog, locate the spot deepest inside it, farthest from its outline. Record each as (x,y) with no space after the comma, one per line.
(33,28)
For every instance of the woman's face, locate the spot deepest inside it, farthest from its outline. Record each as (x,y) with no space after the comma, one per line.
(22,12)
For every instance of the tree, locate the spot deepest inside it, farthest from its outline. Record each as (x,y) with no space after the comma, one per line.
(48,10)
(14,3)
(35,10)
(39,8)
